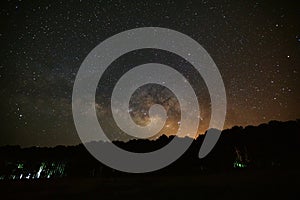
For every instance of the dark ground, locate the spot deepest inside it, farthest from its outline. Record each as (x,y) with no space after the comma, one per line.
(268,155)
(246,184)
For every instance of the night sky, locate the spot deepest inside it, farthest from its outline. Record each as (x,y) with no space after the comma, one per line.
(255,44)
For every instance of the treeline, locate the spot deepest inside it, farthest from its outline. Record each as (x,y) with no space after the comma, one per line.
(273,145)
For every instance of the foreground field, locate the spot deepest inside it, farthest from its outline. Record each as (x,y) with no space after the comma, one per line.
(233,185)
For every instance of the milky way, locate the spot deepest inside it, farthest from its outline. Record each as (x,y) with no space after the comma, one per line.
(255,44)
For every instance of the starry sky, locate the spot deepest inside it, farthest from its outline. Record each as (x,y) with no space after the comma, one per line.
(255,44)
